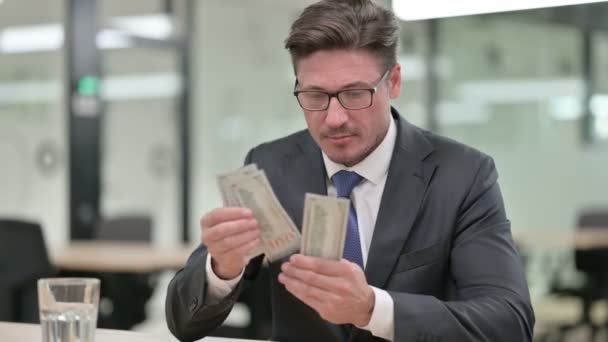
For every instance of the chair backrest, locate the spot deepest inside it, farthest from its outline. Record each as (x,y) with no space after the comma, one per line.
(127,292)
(593,219)
(125,228)
(593,262)
(23,259)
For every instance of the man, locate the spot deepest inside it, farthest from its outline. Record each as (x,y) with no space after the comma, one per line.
(429,254)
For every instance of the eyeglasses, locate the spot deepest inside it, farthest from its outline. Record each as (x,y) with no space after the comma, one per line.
(353,99)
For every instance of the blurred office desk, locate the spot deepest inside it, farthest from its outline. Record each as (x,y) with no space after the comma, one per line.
(19,332)
(104,256)
(581,239)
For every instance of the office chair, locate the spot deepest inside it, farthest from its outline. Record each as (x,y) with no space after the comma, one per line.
(127,292)
(125,228)
(593,263)
(23,260)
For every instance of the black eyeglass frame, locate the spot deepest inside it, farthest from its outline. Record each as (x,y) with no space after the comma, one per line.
(337,94)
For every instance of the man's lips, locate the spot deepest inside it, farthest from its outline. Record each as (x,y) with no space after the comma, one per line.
(339,138)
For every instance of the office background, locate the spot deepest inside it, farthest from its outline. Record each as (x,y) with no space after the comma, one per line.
(177,91)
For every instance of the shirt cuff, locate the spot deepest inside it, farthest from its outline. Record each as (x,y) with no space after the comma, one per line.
(382,322)
(217,288)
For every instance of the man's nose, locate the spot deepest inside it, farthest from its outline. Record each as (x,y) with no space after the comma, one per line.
(336,114)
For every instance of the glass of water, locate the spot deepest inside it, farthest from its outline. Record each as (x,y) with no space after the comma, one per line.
(68,309)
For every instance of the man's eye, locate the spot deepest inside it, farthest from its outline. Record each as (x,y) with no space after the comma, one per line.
(354,94)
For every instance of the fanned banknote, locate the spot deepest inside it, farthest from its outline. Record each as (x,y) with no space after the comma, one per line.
(324,226)
(249,187)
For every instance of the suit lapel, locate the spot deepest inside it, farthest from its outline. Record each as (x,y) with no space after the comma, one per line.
(408,178)
(305,172)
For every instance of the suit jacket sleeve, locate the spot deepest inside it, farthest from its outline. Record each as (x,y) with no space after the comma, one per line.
(188,313)
(491,299)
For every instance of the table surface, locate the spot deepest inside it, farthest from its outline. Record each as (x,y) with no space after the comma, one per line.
(105,256)
(19,332)
(588,238)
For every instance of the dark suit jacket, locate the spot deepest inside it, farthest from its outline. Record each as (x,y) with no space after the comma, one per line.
(442,248)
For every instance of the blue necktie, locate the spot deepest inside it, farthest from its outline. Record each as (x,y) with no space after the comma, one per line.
(344,182)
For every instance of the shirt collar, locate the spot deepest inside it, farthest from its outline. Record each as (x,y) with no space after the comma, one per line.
(375,166)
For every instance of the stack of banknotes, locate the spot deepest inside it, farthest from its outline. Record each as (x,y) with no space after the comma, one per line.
(324,221)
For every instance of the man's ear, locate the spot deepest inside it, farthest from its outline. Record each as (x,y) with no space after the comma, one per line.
(394,82)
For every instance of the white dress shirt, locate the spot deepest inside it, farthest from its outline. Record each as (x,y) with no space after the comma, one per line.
(366,197)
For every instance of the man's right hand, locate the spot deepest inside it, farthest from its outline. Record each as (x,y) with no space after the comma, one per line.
(230,235)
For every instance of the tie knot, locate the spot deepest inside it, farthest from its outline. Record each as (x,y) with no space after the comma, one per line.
(345,181)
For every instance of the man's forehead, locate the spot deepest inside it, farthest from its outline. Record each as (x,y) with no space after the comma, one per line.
(335,58)
(333,81)
(337,69)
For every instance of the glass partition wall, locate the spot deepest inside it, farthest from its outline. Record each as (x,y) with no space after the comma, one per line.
(33,124)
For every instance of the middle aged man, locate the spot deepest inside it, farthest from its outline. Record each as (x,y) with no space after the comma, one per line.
(428,254)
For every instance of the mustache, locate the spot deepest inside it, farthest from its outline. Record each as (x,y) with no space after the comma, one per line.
(344,130)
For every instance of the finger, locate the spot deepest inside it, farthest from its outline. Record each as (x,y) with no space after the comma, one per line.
(311,295)
(219,215)
(321,265)
(240,252)
(234,241)
(322,281)
(226,229)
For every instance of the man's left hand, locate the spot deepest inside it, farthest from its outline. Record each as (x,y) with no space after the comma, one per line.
(337,290)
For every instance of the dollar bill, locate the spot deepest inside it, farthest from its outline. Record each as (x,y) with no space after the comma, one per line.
(226,179)
(249,187)
(278,238)
(324,226)
(226,184)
